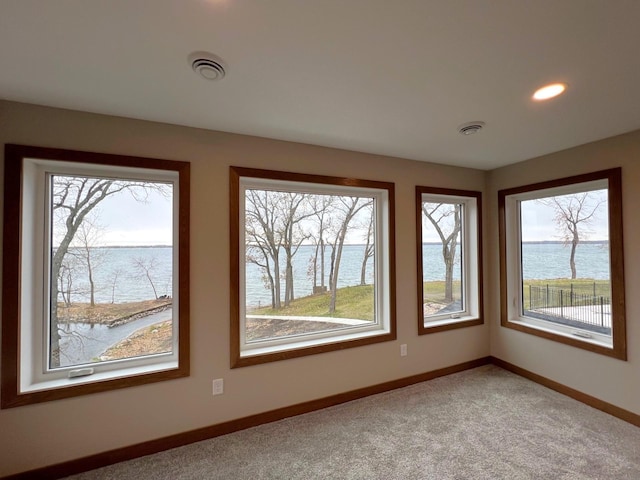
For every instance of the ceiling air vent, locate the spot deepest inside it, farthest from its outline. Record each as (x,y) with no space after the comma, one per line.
(470,128)
(207,65)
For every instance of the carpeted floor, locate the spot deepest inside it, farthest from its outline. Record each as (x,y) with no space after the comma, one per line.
(484,423)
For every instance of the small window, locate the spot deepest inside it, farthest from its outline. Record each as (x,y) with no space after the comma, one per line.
(561,256)
(95,286)
(449,265)
(312,264)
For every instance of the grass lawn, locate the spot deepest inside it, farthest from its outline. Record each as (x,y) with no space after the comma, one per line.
(433,292)
(358,301)
(351,302)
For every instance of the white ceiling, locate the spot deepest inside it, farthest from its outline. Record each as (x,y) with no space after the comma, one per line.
(388,77)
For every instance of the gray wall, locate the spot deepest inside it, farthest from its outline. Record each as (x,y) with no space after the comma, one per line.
(605,378)
(49,433)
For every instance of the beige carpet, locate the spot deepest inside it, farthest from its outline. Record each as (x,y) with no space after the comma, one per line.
(484,423)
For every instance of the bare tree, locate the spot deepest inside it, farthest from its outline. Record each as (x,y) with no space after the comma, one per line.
(320,205)
(368,247)
(87,237)
(146,268)
(292,213)
(66,275)
(259,255)
(274,226)
(278,223)
(114,282)
(573,215)
(263,240)
(346,209)
(445,219)
(73,198)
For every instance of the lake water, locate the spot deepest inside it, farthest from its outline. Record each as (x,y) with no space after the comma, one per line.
(114,277)
(551,260)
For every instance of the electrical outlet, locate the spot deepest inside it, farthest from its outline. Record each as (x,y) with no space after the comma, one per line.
(403,350)
(218,386)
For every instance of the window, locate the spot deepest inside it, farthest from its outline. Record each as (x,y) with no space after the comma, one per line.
(312,264)
(449,259)
(561,261)
(95,280)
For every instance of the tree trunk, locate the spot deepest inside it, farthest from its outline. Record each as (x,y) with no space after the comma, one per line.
(322,248)
(449,261)
(367,255)
(273,289)
(332,265)
(572,259)
(336,269)
(448,284)
(153,287)
(363,271)
(276,281)
(56,266)
(315,267)
(92,285)
(288,284)
(334,282)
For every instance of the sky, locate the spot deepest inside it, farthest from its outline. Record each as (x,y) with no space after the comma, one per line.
(124,221)
(539,225)
(538,221)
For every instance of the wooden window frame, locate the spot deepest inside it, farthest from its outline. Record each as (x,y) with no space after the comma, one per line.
(292,350)
(613,176)
(475,315)
(15,155)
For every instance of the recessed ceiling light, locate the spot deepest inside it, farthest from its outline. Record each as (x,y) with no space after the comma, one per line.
(549,91)
(207,65)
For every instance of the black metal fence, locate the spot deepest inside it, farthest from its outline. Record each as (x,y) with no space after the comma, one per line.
(560,303)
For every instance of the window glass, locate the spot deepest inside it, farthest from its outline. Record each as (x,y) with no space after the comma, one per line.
(314,264)
(442,272)
(315,247)
(565,260)
(96,271)
(449,262)
(110,274)
(562,261)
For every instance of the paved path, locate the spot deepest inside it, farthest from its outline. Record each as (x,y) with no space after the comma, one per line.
(590,314)
(81,342)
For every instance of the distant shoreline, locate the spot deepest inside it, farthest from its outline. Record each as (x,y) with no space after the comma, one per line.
(542,242)
(560,242)
(547,242)
(127,246)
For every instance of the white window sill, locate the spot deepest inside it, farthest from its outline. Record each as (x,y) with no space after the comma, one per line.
(51,384)
(255,350)
(568,332)
(448,320)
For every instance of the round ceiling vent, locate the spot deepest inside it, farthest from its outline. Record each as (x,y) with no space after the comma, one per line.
(470,128)
(207,65)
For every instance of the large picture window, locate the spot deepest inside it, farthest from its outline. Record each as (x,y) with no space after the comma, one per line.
(561,256)
(95,286)
(312,264)
(449,259)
